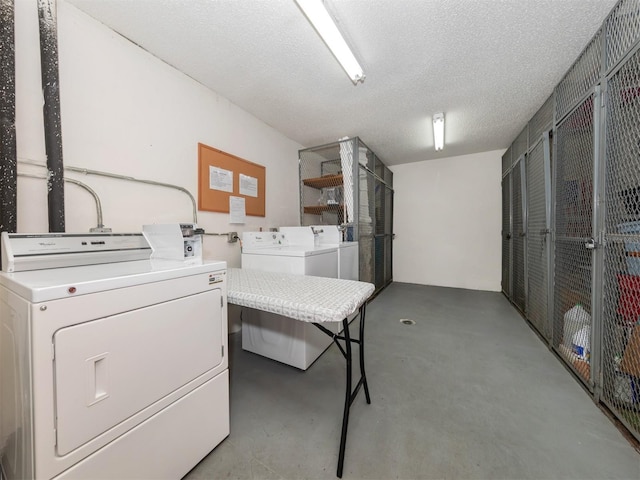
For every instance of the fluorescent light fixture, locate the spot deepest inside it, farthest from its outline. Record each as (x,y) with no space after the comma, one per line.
(317,14)
(438,131)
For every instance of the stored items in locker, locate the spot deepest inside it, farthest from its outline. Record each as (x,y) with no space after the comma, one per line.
(631,358)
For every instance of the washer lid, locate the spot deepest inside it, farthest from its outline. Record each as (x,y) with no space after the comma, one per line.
(55,283)
(341,245)
(291,251)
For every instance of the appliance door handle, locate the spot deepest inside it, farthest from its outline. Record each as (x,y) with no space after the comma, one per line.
(98,379)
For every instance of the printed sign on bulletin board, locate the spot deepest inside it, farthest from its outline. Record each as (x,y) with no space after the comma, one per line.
(223,179)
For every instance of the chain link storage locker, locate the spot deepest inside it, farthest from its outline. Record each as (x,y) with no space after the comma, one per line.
(520,145)
(538,236)
(621,283)
(622,28)
(506,235)
(506,161)
(388,225)
(518,220)
(366,218)
(580,79)
(518,237)
(383,232)
(339,186)
(572,322)
(593,271)
(572,325)
(541,122)
(539,219)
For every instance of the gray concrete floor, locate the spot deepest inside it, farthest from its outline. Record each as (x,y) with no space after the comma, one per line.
(468,392)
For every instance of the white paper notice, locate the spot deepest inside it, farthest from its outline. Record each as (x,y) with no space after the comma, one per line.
(220,179)
(237,210)
(166,241)
(248,185)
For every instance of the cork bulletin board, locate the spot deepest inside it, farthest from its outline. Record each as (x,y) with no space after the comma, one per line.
(222,175)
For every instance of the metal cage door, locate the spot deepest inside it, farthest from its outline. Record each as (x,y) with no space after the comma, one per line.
(538,222)
(519,234)
(507,236)
(620,355)
(574,244)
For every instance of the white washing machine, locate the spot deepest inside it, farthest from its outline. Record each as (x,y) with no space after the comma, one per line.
(116,369)
(288,341)
(348,253)
(321,236)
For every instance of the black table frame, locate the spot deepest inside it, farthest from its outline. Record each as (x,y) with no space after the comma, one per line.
(350,392)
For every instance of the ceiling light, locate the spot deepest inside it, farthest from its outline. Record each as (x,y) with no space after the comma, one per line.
(438,131)
(317,14)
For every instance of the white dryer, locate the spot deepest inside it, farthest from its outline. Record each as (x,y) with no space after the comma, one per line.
(288,341)
(111,365)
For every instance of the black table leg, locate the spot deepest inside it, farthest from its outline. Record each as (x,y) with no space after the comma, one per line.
(350,394)
(347,399)
(363,375)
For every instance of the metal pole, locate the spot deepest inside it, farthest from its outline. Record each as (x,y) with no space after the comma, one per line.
(51,110)
(8,153)
(546,147)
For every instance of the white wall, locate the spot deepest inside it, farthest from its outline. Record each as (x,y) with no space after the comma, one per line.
(447,220)
(124,111)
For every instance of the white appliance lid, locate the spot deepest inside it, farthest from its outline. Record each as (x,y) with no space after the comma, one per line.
(36,251)
(55,283)
(291,251)
(348,245)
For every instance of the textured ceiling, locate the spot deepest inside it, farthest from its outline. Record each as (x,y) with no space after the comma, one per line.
(488,64)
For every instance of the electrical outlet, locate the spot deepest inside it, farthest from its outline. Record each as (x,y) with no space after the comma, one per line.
(232,237)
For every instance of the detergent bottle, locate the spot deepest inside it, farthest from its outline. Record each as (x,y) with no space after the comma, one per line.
(581,343)
(575,319)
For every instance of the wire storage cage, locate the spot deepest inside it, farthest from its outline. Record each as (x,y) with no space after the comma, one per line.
(506,236)
(621,279)
(574,170)
(579,202)
(518,238)
(344,183)
(537,239)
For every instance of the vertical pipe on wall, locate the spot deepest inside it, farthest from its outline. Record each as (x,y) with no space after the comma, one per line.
(8,153)
(51,110)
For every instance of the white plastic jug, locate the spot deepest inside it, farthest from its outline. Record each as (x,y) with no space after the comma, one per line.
(581,343)
(574,320)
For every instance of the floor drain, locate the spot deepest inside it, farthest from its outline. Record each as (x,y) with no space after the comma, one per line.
(406,321)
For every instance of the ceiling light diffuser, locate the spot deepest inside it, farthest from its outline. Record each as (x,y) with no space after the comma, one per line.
(317,14)
(438,131)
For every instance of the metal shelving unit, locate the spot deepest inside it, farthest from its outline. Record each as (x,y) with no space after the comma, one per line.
(346,184)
